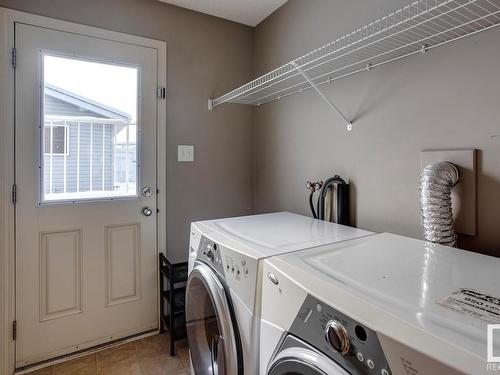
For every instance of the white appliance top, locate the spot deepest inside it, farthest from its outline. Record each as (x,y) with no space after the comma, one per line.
(404,279)
(266,235)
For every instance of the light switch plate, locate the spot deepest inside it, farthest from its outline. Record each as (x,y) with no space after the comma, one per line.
(185,153)
(463,195)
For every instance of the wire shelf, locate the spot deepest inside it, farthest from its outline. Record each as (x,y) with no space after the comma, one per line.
(416,28)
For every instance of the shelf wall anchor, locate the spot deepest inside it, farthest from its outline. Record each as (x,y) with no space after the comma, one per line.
(315,87)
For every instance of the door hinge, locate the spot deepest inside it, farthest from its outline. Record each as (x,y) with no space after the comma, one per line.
(162,92)
(14,193)
(13,58)
(14,330)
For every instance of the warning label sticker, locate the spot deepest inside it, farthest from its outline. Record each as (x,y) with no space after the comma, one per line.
(474,303)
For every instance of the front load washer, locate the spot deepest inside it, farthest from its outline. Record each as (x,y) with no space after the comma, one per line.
(382,304)
(224,284)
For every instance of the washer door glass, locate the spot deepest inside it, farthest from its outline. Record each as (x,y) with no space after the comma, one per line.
(301,361)
(295,367)
(211,335)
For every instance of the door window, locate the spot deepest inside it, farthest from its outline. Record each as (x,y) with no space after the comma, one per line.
(89,141)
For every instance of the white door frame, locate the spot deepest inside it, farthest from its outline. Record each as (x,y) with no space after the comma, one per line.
(8,18)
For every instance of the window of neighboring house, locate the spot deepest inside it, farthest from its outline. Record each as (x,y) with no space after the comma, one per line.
(55,140)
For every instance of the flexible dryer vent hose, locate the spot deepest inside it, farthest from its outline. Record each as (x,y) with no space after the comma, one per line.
(436,182)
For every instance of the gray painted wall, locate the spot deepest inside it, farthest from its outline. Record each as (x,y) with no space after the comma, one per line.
(445,99)
(448,98)
(206,56)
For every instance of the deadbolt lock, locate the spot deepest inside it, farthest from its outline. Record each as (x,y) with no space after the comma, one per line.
(147,191)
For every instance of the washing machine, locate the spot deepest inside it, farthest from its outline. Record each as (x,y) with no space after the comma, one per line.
(380,305)
(224,285)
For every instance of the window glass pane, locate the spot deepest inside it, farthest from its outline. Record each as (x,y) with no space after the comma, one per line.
(89,140)
(58,139)
(55,139)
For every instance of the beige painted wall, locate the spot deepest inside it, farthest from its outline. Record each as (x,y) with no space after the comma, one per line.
(448,98)
(206,56)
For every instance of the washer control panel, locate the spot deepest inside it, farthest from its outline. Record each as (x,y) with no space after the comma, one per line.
(348,342)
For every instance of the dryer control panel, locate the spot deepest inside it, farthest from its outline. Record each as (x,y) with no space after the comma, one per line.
(209,252)
(348,342)
(238,270)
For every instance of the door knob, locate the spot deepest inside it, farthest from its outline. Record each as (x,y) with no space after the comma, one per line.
(146,211)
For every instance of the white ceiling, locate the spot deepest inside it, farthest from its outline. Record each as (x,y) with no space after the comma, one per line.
(248,12)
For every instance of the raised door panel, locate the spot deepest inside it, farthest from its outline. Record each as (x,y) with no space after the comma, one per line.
(60,274)
(123,254)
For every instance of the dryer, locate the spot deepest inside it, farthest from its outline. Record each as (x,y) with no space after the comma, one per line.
(224,285)
(383,304)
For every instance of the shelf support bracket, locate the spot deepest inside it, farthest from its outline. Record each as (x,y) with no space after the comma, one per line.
(210,104)
(315,87)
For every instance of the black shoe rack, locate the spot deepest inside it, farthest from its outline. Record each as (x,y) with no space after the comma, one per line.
(173,277)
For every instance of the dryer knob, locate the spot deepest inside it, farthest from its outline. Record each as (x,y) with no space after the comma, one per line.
(336,335)
(210,252)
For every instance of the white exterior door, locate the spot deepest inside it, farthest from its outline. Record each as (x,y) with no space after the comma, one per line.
(86,216)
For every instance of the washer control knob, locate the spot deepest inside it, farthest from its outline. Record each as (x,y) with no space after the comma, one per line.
(336,335)
(370,364)
(210,252)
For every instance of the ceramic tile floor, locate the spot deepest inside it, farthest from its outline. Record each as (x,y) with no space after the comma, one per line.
(149,356)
